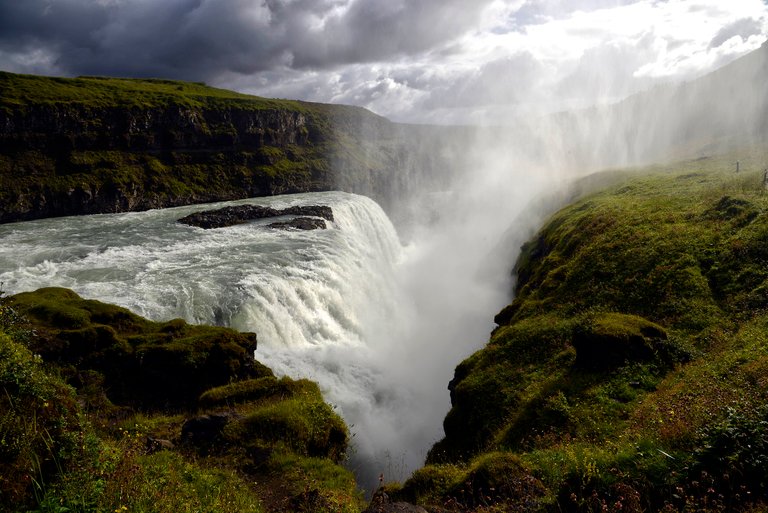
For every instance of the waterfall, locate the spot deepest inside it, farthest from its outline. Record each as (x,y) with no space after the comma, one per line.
(316,299)
(379,326)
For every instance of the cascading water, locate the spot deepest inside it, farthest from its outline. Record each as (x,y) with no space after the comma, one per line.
(315,298)
(161,269)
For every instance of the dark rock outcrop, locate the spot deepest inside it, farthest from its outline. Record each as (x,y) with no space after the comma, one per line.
(382,503)
(300,223)
(205,429)
(614,339)
(230,216)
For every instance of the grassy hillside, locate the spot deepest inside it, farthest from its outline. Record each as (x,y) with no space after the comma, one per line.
(630,373)
(98,92)
(102,410)
(94,145)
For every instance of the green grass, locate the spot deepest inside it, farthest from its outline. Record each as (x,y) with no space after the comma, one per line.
(99,92)
(165,481)
(76,416)
(631,370)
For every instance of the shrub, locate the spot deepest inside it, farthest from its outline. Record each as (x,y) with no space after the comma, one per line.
(306,425)
(734,452)
(432,484)
(267,387)
(42,433)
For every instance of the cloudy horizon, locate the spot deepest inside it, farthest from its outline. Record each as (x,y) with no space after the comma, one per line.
(423,61)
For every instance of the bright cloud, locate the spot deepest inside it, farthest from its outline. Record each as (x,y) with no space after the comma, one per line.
(441,61)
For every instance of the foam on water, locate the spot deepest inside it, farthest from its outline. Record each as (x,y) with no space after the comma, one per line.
(313,297)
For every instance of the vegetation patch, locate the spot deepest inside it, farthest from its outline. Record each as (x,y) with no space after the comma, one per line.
(630,371)
(142,362)
(99,409)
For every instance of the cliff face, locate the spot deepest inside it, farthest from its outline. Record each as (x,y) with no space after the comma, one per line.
(69,127)
(630,373)
(72,159)
(95,145)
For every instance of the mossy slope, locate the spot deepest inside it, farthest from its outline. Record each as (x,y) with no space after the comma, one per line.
(102,411)
(630,373)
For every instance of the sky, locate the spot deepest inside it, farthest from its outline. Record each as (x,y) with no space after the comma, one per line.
(420,61)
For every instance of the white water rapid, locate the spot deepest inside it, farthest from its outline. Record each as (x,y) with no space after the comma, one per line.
(342,306)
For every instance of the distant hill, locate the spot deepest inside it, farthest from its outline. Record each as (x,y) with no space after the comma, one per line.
(719,111)
(95,144)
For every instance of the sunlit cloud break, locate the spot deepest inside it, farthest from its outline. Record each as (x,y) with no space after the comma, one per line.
(431,61)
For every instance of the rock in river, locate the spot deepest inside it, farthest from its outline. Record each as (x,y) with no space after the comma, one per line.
(229,216)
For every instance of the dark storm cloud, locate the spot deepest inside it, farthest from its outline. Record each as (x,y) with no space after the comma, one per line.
(178,38)
(374,30)
(200,39)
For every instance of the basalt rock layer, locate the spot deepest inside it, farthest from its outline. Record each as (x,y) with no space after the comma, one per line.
(98,145)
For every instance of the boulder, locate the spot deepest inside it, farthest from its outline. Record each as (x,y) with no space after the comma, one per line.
(381,503)
(611,340)
(205,429)
(158,444)
(300,223)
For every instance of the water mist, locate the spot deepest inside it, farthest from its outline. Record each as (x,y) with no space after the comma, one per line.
(465,235)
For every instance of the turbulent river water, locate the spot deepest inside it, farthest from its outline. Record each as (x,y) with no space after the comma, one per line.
(346,307)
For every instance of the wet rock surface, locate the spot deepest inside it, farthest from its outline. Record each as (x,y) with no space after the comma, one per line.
(311,216)
(300,223)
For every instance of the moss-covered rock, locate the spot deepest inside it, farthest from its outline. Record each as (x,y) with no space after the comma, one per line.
(142,362)
(251,390)
(126,432)
(499,477)
(432,484)
(303,422)
(611,340)
(629,373)
(494,479)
